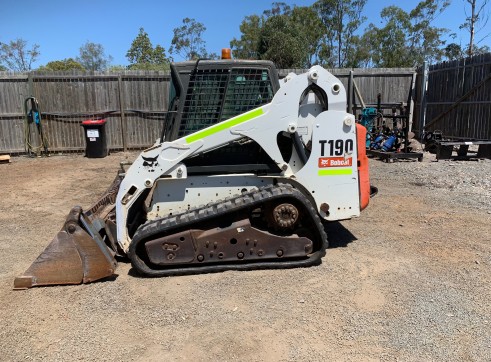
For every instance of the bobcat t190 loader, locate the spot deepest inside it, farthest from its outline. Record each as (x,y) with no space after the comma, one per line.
(245,171)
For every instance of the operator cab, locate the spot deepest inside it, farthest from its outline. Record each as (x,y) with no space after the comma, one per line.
(205,92)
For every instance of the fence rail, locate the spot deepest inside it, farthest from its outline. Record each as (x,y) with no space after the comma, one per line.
(134,103)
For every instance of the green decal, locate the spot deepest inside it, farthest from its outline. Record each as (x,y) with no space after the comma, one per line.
(225,125)
(341,171)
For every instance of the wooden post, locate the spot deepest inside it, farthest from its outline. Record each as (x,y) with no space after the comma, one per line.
(30,85)
(358,94)
(124,135)
(422,103)
(411,103)
(350,92)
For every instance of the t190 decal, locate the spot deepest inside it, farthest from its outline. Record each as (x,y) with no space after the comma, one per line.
(336,147)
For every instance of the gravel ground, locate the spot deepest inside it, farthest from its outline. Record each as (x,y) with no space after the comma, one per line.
(409,280)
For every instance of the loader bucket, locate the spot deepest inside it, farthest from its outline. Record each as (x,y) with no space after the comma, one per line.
(73,257)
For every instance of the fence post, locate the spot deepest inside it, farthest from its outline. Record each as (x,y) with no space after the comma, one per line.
(422,109)
(350,92)
(122,115)
(411,103)
(30,85)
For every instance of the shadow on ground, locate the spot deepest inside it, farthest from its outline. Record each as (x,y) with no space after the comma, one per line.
(338,235)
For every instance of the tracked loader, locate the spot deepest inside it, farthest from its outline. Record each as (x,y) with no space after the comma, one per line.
(245,172)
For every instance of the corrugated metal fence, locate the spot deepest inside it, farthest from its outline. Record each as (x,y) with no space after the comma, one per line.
(134,103)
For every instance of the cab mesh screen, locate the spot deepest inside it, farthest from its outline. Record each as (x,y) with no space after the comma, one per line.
(219,94)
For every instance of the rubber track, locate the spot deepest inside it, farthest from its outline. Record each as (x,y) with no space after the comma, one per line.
(247,200)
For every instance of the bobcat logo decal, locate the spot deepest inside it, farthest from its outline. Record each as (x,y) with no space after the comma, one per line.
(150,163)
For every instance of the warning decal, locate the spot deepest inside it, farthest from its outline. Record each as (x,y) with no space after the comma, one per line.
(335,162)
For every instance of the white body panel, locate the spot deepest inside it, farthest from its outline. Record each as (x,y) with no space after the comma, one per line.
(173,196)
(330,174)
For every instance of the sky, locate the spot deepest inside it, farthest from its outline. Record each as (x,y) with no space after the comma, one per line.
(61,27)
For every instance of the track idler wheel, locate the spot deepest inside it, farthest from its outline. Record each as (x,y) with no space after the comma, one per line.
(284,216)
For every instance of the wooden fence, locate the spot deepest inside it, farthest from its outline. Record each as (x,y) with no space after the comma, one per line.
(134,103)
(457,100)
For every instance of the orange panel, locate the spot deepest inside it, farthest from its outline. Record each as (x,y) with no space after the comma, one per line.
(363,172)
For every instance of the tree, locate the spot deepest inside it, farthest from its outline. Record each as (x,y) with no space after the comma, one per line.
(387,45)
(359,55)
(453,51)
(17,57)
(247,46)
(117,68)
(187,41)
(61,65)
(474,23)
(93,57)
(280,43)
(341,19)
(289,37)
(2,68)
(310,33)
(426,40)
(212,56)
(277,8)
(406,39)
(142,54)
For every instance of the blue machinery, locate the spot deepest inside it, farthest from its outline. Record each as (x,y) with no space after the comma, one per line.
(387,143)
(369,121)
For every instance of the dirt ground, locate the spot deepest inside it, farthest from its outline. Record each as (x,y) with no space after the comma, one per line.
(409,280)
